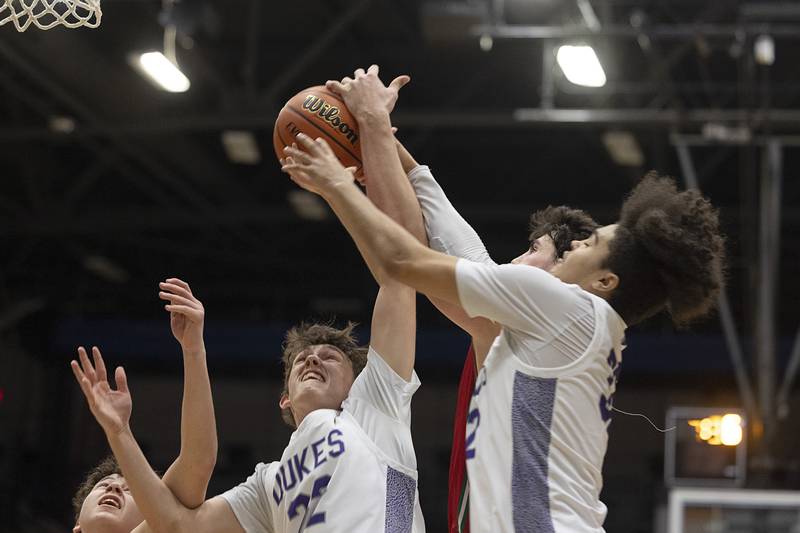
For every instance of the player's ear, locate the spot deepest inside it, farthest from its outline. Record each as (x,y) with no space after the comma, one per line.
(284,402)
(606,284)
(76,529)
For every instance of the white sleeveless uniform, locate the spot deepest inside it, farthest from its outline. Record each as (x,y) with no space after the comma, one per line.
(536,437)
(344,471)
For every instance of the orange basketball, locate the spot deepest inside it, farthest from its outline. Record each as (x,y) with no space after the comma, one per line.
(317,112)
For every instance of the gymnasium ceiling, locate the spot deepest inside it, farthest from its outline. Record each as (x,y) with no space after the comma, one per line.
(108,184)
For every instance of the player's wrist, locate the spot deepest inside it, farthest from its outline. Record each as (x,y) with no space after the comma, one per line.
(194,349)
(118,432)
(373,118)
(339,189)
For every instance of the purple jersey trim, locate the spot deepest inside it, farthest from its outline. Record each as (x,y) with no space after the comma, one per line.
(531,418)
(400,490)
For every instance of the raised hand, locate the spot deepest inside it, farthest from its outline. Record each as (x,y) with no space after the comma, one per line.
(365,94)
(111,408)
(186,314)
(315,166)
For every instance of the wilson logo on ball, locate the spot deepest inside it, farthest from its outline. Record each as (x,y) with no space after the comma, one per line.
(329,114)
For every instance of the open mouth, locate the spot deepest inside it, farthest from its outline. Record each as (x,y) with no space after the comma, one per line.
(110,501)
(313,375)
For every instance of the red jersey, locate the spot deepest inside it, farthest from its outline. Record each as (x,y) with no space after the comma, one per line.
(458,486)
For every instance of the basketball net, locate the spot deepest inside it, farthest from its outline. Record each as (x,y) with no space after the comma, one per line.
(47,14)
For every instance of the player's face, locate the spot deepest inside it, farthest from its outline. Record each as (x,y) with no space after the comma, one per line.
(109,508)
(583,263)
(320,378)
(540,254)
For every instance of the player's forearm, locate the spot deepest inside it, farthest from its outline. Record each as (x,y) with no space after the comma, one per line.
(447,230)
(387,248)
(189,476)
(406,159)
(387,185)
(163,512)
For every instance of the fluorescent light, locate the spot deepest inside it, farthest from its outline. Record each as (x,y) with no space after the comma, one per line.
(241,147)
(623,148)
(308,205)
(764,49)
(164,72)
(62,124)
(105,269)
(580,65)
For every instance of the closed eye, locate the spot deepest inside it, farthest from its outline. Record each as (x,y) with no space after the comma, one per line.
(333,355)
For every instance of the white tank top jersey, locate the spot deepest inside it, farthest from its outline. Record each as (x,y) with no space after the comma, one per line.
(537,435)
(344,471)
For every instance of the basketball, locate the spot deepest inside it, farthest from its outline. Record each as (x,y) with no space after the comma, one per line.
(317,112)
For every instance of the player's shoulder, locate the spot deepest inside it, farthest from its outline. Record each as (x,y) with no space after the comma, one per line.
(266,470)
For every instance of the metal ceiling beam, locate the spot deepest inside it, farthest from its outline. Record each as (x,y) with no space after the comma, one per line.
(769,255)
(475,118)
(669,31)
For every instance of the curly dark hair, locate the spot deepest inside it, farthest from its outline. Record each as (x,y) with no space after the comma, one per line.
(563,224)
(311,334)
(668,253)
(105,468)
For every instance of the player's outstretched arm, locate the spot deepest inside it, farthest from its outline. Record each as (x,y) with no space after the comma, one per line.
(189,475)
(394,314)
(445,225)
(162,510)
(391,171)
(389,250)
(447,231)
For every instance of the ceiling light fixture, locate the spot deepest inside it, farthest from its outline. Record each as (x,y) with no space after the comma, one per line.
(164,72)
(162,68)
(581,65)
(241,147)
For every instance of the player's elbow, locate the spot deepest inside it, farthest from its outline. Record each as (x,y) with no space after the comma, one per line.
(399,268)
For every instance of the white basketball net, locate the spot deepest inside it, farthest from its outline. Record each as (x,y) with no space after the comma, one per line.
(46,14)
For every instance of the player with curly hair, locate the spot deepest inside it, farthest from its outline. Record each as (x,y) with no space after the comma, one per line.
(537,435)
(551,232)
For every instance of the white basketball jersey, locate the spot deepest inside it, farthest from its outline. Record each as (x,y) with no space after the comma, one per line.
(536,437)
(344,471)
